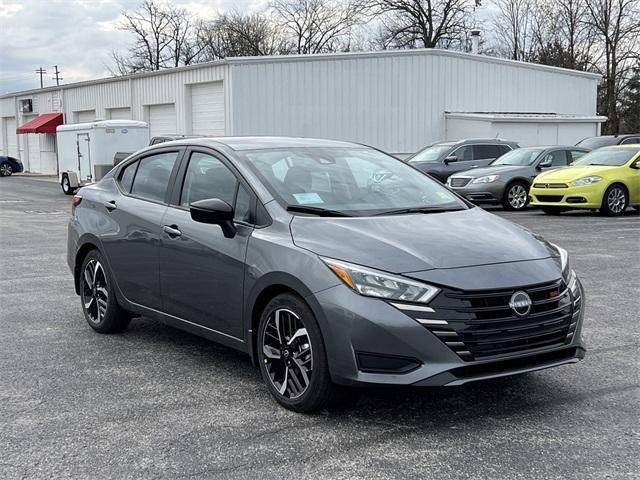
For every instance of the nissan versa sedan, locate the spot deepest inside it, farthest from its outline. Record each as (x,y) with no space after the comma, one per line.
(507,180)
(607,179)
(331,264)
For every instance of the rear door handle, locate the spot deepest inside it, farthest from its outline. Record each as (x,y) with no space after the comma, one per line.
(171,230)
(111,206)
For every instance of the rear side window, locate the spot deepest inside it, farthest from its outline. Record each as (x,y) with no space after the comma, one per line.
(152,178)
(630,141)
(484,152)
(126,177)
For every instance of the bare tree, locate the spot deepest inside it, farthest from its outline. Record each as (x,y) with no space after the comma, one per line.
(617,26)
(423,23)
(318,26)
(235,34)
(512,28)
(163,37)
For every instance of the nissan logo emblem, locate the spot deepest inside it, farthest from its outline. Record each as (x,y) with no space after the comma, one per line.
(520,303)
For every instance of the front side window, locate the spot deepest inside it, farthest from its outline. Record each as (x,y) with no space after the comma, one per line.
(464,154)
(613,157)
(207,177)
(555,159)
(355,181)
(431,154)
(152,177)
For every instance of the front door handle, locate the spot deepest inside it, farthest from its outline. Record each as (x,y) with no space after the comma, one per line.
(111,206)
(171,230)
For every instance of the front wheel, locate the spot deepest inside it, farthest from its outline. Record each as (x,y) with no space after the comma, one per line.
(292,356)
(615,201)
(99,303)
(5,169)
(516,196)
(66,185)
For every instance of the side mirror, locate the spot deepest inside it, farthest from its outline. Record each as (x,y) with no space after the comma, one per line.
(546,163)
(216,212)
(636,165)
(450,159)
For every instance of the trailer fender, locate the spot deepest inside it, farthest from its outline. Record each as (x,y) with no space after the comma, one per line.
(73,178)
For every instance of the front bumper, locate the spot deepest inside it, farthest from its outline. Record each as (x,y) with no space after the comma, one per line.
(481,192)
(587,196)
(371,342)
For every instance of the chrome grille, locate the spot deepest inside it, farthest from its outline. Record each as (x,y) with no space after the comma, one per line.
(458,182)
(550,185)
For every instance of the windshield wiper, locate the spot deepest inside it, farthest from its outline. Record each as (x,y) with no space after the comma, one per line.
(321,212)
(401,211)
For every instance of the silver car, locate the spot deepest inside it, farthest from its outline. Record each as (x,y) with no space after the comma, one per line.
(507,180)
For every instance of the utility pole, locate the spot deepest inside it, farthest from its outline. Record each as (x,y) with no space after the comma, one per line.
(57,78)
(41,71)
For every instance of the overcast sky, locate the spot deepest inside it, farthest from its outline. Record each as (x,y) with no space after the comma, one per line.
(76,35)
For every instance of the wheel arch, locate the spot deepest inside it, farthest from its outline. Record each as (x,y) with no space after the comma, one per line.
(265,289)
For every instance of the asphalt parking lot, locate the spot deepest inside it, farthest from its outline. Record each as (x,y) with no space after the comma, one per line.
(156,402)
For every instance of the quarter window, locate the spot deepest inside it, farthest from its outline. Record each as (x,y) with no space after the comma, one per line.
(152,177)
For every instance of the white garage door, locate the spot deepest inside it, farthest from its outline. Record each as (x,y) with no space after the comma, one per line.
(207,108)
(120,113)
(12,138)
(162,120)
(84,116)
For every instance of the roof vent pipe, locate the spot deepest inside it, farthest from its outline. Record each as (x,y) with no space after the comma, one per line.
(475,41)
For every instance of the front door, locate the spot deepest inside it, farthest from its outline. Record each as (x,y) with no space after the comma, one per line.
(201,270)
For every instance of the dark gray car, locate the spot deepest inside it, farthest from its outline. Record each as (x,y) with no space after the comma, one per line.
(329,263)
(609,140)
(507,180)
(443,159)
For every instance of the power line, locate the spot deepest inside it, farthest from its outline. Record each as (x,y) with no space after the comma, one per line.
(41,71)
(57,78)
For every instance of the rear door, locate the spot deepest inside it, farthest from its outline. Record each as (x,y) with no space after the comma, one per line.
(201,270)
(138,210)
(84,157)
(484,154)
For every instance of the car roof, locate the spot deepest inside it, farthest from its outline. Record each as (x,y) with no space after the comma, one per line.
(473,140)
(261,142)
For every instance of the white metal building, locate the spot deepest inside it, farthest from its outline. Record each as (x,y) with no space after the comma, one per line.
(398,101)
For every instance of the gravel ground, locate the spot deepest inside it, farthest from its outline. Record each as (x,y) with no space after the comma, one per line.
(157,402)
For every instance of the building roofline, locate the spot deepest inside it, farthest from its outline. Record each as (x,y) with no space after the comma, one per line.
(312,58)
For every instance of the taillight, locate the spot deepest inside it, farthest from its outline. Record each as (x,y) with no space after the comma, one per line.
(75,201)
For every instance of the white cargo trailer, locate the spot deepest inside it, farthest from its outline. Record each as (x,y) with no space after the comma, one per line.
(86,150)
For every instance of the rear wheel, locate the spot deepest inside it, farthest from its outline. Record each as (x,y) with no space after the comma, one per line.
(66,185)
(553,210)
(5,169)
(292,356)
(615,201)
(516,196)
(99,303)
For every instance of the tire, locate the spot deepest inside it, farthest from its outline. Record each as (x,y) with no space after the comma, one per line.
(516,196)
(615,200)
(66,185)
(5,169)
(552,210)
(97,296)
(295,370)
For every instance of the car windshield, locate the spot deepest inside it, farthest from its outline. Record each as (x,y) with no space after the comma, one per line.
(596,142)
(430,154)
(347,181)
(521,157)
(613,157)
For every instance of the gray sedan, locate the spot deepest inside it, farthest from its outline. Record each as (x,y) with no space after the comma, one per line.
(507,180)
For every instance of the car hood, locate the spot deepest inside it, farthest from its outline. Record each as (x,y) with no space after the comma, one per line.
(573,173)
(418,242)
(492,170)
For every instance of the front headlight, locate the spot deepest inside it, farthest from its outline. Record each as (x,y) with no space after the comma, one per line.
(487,179)
(373,283)
(586,181)
(568,274)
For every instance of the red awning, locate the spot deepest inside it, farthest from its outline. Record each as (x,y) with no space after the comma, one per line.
(45,123)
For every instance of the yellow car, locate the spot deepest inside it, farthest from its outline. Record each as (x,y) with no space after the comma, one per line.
(606,179)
